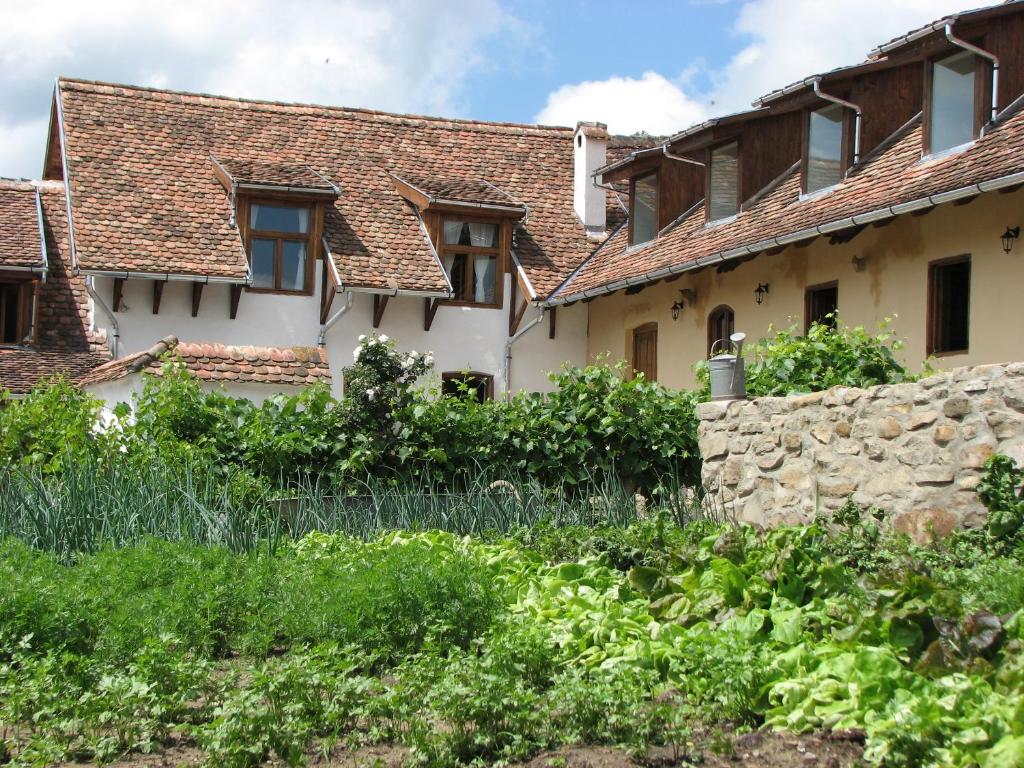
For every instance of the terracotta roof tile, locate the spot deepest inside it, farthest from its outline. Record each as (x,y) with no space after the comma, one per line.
(896,174)
(145,197)
(19,225)
(293,366)
(22,369)
(471,191)
(250,172)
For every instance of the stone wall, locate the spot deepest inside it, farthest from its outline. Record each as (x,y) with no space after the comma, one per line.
(914,450)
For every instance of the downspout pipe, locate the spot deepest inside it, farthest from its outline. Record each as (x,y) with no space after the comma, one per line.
(506,376)
(321,340)
(115,333)
(680,158)
(858,115)
(985,55)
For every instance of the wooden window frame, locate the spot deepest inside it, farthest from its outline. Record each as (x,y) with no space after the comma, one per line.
(932,310)
(810,289)
(643,328)
(657,204)
(499,251)
(845,150)
(27,295)
(711,317)
(707,178)
(982,96)
(487,378)
(312,238)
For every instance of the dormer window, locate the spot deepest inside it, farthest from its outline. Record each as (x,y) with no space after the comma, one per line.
(279,247)
(469,251)
(643,220)
(723,182)
(952,112)
(824,164)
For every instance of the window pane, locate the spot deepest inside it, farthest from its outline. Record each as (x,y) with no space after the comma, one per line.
(952,112)
(951,291)
(645,209)
(279,218)
(483,235)
(455,266)
(9,314)
(453,233)
(293,266)
(263,263)
(484,268)
(825,147)
(725,163)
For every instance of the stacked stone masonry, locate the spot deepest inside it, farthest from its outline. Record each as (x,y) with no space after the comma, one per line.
(913,450)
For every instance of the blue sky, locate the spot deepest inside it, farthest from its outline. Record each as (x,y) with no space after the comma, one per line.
(656,67)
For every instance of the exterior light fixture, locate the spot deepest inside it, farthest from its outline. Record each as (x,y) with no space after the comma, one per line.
(760,292)
(1011,234)
(685,294)
(858,263)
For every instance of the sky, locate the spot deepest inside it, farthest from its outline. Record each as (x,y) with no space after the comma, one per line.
(654,67)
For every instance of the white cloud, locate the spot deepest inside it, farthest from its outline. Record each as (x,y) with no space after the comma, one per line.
(628,105)
(404,56)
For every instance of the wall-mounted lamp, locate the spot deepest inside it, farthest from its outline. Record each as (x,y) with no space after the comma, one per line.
(859,262)
(687,294)
(1011,234)
(760,292)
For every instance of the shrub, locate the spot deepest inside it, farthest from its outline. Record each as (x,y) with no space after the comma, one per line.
(825,357)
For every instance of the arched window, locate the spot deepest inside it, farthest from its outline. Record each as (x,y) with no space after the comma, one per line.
(468,384)
(721,324)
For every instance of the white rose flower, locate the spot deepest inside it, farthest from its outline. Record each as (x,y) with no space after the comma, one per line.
(370,393)
(355,353)
(362,338)
(383,337)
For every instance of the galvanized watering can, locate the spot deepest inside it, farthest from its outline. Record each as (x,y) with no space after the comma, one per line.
(726,368)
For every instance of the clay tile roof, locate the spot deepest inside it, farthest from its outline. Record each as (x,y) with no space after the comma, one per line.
(472,191)
(253,173)
(20,236)
(292,366)
(63,342)
(145,197)
(894,175)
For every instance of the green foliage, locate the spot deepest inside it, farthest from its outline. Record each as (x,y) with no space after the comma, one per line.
(822,358)
(1000,490)
(55,424)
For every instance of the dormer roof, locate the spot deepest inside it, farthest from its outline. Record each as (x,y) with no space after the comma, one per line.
(426,192)
(22,237)
(256,176)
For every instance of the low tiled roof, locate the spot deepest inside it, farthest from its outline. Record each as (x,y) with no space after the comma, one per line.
(19,225)
(292,366)
(893,176)
(253,173)
(21,369)
(472,191)
(145,197)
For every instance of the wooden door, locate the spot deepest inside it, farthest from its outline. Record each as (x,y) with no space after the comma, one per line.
(645,350)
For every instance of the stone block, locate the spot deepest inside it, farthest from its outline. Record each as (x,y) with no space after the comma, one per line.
(925,525)
(875,449)
(792,441)
(956,407)
(935,474)
(714,446)
(944,433)
(770,461)
(765,444)
(921,419)
(822,433)
(732,472)
(888,428)
(710,411)
(836,487)
(843,428)
(1013,396)
(739,444)
(975,385)
(974,456)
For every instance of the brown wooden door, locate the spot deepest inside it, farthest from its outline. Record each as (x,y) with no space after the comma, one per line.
(645,350)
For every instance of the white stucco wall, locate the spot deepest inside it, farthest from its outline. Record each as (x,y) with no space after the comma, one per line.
(124,390)
(461,338)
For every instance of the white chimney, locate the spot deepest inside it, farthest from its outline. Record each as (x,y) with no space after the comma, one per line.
(590,151)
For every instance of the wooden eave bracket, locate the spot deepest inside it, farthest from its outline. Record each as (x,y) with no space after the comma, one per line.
(158,293)
(552,314)
(236,295)
(380,303)
(429,310)
(118,293)
(197,297)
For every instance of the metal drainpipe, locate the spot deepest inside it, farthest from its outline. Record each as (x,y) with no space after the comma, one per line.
(680,158)
(985,55)
(507,373)
(115,334)
(321,340)
(858,115)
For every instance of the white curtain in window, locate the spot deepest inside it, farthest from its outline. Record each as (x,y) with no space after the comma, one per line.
(483,273)
(452,232)
(449,262)
(482,235)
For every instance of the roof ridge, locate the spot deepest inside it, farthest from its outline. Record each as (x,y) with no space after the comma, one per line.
(99,86)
